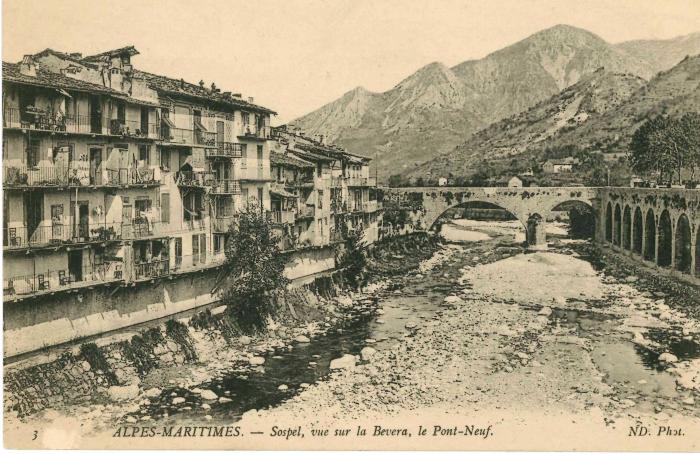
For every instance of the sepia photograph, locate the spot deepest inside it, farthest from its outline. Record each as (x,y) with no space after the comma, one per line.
(351,225)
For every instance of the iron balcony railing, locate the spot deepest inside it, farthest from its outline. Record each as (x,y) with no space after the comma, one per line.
(59,233)
(255,132)
(205,138)
(21,175)
(226,187)
(184,263)
(177,135)
(21,286)
(188,178)
(307,211)
(281,217)
(33,119)
(224,150)
(133,128)
(151,269)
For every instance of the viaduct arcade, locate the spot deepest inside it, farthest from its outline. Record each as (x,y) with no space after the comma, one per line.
(657,226)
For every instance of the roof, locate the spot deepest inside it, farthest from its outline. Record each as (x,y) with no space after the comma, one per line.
(74,57)
(44,78)
(281,159)
(180,88)
(130,50)
(312,156)
(278,190)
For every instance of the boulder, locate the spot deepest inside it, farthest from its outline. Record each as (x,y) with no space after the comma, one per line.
(178,400)
(344,362)
(206,407)
(153,392)
(283,387)
(367,353)
(256,361)
(208,394)
(668,358)
(223,400)
(123,392)
(453,299)
(302,339)
(545,311)
(244,340)
(411,325)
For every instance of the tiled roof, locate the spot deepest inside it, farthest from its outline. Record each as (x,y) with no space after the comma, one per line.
(178,87)
(131,50)
(11,73)
(66,56)
(288,160)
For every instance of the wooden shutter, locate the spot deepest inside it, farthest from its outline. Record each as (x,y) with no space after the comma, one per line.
(165,207)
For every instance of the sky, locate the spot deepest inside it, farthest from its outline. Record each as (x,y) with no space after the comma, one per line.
(294,56)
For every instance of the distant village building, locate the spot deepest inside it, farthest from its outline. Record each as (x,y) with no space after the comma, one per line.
(515,182)
(442,181)
(559,165)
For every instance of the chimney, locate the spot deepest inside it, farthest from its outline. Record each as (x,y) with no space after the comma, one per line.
(227,94)
(27,67)
(237,96)
(250,99)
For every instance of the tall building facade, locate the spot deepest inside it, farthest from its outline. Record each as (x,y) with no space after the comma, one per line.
(115,175)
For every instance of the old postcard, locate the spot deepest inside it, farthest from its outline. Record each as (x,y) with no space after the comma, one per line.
(351,225)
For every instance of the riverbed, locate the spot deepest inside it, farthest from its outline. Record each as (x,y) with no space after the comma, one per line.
(481,326)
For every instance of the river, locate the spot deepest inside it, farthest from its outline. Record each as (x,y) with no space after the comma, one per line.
(627,367)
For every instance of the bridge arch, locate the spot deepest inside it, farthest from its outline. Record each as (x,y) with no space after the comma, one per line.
(665,254)
(627,228)
(609,223)
(683,258)
(617,225)
(650,236)
(637,231)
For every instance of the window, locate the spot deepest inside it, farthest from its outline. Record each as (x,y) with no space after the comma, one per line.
(246,118)
(195,249)
(144,154)
(260,155)
(219,243)
(260,196)
(164,159)
(165,207)
(320,199)
(32,153)
(178,251)
(244,156)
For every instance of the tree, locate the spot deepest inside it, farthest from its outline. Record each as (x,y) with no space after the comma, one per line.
(690,131)
(658,145)
(395,181)
(353,262)
(254,267)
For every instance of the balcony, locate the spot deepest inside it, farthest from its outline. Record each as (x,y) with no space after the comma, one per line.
(252,132)
(51,281)
(337,182)
(133,128)
(189,263)
(152,269)
(191,179)
(33,118)
(221,224)
(53,176)
(141,228)
(224,150)
(208,139)
(177,135)
(226,187)
(338,207)
(22,237)
(281,217)
(307,211)
(370,206)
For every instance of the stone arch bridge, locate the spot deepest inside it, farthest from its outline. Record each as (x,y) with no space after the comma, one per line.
(656,226)
(531,206)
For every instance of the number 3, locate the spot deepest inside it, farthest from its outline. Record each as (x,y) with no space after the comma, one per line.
(35,435)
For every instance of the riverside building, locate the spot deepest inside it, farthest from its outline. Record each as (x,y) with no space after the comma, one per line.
(119,187)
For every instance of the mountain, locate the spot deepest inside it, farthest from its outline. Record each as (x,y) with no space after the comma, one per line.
(599,113)
(660,55)
(436,108)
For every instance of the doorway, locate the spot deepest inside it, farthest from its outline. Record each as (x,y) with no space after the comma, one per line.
(95,166)
(95,114)
(75,265)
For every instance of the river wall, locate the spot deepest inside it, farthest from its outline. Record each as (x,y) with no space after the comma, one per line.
(124,366)
(37,323)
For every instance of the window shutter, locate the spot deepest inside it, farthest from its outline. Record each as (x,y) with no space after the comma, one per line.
(165,207)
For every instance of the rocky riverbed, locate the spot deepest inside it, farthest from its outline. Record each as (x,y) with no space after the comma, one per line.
(481,332)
